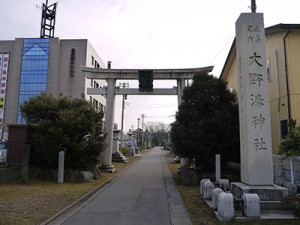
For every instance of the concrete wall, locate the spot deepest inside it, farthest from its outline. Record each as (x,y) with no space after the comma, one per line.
(282,172)
(13,80)
(53,67)
(72,85)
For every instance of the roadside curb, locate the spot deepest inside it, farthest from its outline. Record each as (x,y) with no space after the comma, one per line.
(178,213)
(88,195)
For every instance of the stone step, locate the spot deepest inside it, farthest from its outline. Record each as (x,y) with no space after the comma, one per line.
(277,205)
(268,205)
(119,159)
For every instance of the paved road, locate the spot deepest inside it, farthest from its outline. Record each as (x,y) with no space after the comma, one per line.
(144,194)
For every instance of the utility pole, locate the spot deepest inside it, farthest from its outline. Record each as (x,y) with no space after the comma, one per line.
(138,123)
(143,116)
(138,131)
(123,85)
(253,6)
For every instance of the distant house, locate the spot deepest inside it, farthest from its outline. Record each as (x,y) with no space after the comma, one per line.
(283,74)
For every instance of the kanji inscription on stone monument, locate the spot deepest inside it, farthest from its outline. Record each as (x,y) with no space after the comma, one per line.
(255,128)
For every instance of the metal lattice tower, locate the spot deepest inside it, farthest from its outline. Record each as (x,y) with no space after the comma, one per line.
(48,20)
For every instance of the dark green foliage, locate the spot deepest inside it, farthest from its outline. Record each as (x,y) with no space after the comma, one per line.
(207,123)
(290,145)
(67,124)
(124,151)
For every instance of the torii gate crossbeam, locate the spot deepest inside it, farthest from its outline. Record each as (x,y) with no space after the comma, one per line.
(111,75)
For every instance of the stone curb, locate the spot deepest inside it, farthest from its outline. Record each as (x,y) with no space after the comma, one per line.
(178,212)
(85,197)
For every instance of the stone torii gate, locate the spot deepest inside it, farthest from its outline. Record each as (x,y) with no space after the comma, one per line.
(111,75)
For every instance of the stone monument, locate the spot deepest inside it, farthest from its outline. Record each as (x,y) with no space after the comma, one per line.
(254,111)
(117,156)
(255,127)
(131,144)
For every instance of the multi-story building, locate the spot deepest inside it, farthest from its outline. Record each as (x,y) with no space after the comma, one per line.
(283,74)
(30,66)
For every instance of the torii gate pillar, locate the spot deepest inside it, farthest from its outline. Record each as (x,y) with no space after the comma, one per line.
(109,124)
(180,87)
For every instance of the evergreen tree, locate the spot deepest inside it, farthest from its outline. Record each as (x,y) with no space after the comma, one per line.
(207,123)
(64,123)
(290,145)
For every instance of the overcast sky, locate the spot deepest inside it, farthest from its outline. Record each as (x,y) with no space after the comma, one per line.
(147,34)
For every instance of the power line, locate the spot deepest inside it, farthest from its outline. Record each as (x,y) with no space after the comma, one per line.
(227,40)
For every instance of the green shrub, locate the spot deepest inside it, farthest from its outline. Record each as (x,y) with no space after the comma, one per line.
(124,151)
(294,199)
(64,124)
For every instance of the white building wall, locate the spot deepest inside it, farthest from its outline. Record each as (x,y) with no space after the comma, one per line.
(13,79)
(94,60)
(72,85)
(60,80)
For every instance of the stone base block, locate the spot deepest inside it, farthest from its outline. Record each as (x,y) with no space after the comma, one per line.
(121,160)
(292,188)
(224,184)
(207,189)
(225,207)
(214,197)
(251,205)
(265,193)
(85,176)
(278,205)
(202,185)
(107,168)
(119,157)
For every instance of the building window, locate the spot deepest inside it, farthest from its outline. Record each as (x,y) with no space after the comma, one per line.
(96,106)
(284,128)
(93,59)
(97,64)
(96,85)
(92,81)
(100,107)
(34,70)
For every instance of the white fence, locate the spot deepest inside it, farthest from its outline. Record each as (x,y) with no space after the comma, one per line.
(282,171)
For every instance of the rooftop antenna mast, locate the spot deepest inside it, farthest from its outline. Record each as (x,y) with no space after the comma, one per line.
(253,6)
(48,20)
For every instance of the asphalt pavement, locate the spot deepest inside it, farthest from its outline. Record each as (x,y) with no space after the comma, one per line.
(145,194)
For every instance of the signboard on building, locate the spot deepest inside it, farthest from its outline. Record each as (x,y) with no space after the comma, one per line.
(4,62)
